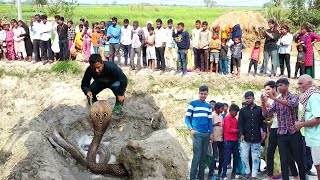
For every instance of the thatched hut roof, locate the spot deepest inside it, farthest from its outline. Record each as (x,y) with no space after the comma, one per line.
(249,21)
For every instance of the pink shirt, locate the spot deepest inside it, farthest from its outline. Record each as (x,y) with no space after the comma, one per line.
(86,37)
(255,54)
(9,36)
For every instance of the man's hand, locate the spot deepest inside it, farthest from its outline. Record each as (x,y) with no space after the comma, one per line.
(192,132)
(186,51)
(211,138)
(263,134)
(271,96)
(298,125)
(89,94)
(218,124)
(242,138)
(120,98)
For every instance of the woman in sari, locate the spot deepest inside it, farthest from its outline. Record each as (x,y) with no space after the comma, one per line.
(307,39)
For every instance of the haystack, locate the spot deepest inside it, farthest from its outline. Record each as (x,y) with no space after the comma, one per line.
(249,22)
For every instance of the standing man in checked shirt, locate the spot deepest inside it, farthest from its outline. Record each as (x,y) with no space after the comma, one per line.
(199,122)
(289,139)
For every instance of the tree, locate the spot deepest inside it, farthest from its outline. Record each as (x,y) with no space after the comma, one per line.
(210,3)
(42,2)
(114,2)
(277,2)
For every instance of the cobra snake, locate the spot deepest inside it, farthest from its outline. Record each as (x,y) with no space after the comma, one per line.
(100,117)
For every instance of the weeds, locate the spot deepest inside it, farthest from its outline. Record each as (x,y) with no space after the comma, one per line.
(3,72)
(69,66)
(4,155)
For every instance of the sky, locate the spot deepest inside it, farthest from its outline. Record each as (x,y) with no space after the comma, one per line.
(252,3)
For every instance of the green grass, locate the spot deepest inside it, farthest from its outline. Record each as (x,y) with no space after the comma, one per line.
(188,15)
(3,73)
(72,67)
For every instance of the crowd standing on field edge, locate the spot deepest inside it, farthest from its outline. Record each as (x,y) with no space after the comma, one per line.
(160,48)
(273,124)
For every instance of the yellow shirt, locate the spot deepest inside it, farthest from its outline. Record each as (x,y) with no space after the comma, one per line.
(214,44)
(78,40)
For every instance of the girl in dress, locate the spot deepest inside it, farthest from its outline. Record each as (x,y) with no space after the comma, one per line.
(86,40)
(9,42)
(18,38)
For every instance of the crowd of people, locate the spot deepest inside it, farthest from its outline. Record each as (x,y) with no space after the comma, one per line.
(273,124)
(161,48)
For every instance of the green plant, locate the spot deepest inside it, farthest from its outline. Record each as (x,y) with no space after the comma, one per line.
(69,66)
(2,72)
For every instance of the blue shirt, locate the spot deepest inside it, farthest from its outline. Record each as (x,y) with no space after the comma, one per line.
(115,31)
(199,116)
(313,111)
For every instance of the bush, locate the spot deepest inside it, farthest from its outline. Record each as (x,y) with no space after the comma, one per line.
(69,66)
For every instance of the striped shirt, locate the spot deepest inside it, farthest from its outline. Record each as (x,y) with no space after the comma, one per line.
(286,115)
(199,116)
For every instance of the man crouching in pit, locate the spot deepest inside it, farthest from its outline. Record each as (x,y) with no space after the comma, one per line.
(106,75)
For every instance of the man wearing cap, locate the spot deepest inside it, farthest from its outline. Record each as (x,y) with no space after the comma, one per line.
(289,139)
(250,124)
(270,48)
(310,118)
(113,35)
(144,49)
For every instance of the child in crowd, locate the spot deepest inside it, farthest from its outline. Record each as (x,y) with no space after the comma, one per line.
(86,38)
(106,49)
(229,44)
(102,43)
(95,39)
(71,36)
(236,54)
(215,47)
(300,60)
(223,56)
(255,57)
(217,143)
(151,51)
(9,42)
(2,42)
(230,131)
(78,39)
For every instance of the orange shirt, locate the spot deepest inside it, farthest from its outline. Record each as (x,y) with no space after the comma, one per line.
(95,39)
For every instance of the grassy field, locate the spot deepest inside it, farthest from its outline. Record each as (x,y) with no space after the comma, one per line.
(188,15)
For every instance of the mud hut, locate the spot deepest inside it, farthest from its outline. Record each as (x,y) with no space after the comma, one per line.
(249,22)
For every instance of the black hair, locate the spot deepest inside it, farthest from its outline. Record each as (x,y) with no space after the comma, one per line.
(86,24)
(224,40)
(44,16)
(198,21)
(306,27)
(150,28)
(80,25)
(170,21)
(37,15)
(94,58)
(213,101)
(218,105)
(284,81)
(14,20)
(102,22)
(234,107)
(271,84)
(226,104)
(82,19)
(159,20)
(257,43)
(56,17)
(237,37)
(136,22)
(114,19)
(271,21)
(181,24)
(205,23)
(203,88)
(70,22)
(61,18)
(303,48)
(126,21)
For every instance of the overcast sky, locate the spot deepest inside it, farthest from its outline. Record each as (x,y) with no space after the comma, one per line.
(253,3)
